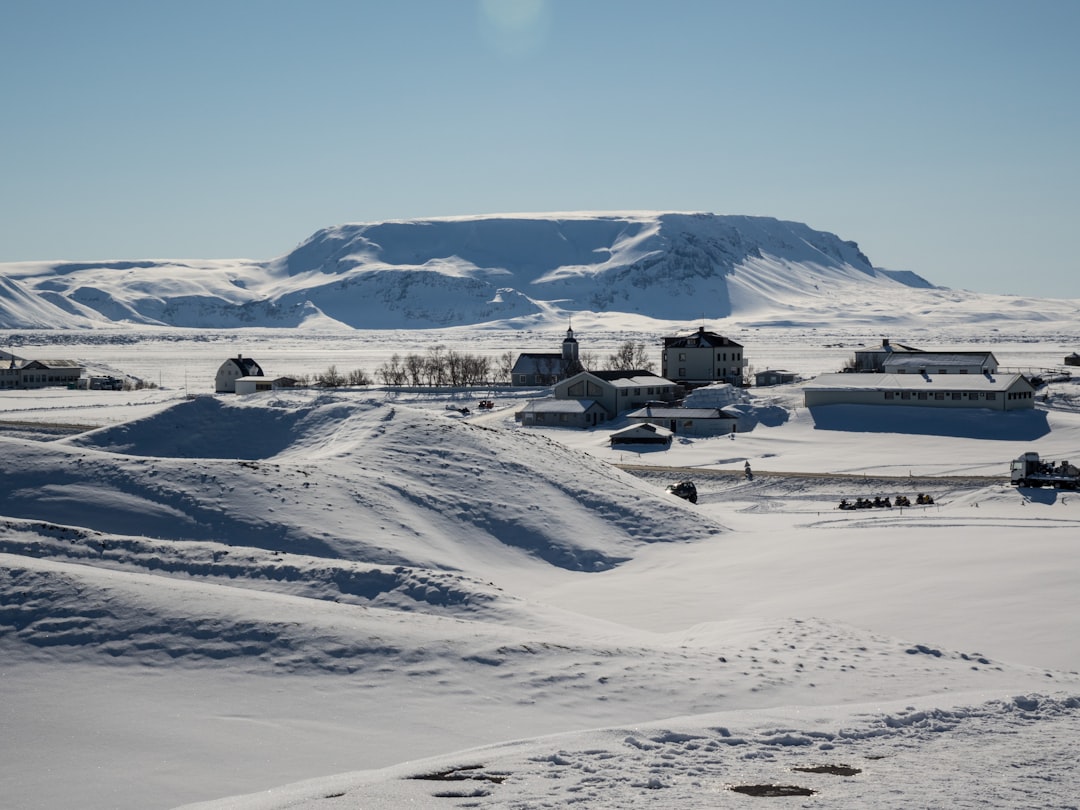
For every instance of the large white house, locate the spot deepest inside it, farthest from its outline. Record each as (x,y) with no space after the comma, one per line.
(1004,392)
(702,358)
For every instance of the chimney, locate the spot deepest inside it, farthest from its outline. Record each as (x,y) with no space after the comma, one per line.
(884,343)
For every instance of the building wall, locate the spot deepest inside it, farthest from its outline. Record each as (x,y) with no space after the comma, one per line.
(686,364)
(61,377)
(997,400)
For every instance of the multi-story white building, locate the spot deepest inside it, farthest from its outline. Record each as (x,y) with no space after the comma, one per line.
(702,358)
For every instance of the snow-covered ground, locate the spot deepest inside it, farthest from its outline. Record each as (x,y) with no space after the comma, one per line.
(389,604)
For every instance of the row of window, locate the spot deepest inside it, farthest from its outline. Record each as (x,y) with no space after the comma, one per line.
(949,395)
(648,391)
(36,378)
(720,356)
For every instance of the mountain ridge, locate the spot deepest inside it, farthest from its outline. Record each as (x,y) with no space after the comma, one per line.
(457,271)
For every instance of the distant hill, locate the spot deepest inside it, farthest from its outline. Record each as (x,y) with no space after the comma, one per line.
(463,271)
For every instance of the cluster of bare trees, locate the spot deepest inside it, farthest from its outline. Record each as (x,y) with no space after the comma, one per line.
(630,356)
(445,367)
(442,367)
(332,378)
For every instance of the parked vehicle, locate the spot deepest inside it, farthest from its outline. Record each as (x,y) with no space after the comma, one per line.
(685,490)
(1031,471)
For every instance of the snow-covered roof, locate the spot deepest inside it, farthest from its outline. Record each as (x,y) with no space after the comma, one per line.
(552,405)
(649,380)
(931,360)
(913,382)
(647,429)
(679,413)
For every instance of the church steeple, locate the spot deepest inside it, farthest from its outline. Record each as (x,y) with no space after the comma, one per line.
(571,363)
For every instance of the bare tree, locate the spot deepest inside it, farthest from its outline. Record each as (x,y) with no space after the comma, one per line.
(359,377)
(330,378)
(393,372)
(630,356)
(504,367)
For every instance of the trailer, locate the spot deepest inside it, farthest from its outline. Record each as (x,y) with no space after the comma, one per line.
(1031,471)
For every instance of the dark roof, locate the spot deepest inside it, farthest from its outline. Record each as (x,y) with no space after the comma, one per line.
(699,340)
(247,366)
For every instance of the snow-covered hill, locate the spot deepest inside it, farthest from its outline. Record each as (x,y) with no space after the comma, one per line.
(467,270)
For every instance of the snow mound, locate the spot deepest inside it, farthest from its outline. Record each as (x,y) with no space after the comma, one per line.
(325,475)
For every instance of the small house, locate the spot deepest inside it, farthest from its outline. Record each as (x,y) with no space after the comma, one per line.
(644,433)
(579,413)
(773,377)
(687,421)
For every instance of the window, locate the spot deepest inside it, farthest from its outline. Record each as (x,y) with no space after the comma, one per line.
(888,395)
(637,392)
(955,395)
(563,417)
(991,395)
(923,395)
(905,395)
(963,371)
(682,372)
(939,395)
(682,355)
(625,392)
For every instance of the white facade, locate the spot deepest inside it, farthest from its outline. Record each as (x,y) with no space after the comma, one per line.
(232,370)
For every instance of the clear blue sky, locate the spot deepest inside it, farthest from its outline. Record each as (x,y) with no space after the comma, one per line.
(943,136)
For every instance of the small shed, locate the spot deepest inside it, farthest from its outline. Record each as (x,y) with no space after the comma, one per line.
(642,434)
(1072,359)
(250,385)
(776,376)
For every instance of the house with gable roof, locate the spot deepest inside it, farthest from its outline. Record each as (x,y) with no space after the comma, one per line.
(233,369)
(18,372)
(547,368)
(591,397)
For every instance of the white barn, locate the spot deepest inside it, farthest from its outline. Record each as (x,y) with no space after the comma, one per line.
(232,370)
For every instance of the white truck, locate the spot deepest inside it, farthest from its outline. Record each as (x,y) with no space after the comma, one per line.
(1031,471)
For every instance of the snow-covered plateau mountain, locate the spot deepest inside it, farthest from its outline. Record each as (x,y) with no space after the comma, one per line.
(469,270)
